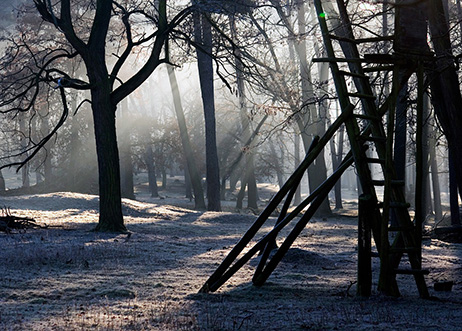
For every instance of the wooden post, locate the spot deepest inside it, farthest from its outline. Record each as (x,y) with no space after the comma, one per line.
(419,189)
(272,243)
(364,246)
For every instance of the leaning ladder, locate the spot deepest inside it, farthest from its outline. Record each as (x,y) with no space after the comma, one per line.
(407,239)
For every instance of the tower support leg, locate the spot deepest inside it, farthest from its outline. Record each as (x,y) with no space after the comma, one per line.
(366,209)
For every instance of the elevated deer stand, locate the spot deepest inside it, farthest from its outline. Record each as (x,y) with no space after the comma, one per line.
(363,117)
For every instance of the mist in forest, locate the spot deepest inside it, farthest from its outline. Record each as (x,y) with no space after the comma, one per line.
(151,151)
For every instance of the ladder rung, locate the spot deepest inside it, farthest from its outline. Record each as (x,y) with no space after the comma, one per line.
(352,74)
(379,68)
(336,59)
(368,117)
(362,40)
(373,138)
(348,40)
(362,96)
(375,39)
(396,204)
(411,271)
(375,160)
(396,182)
(401,228)
(379,58)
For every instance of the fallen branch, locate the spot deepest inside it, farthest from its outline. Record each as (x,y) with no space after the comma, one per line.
(10,222)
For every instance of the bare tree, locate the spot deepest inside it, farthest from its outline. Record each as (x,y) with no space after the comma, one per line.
(103,82)
(203,37)
(191,166)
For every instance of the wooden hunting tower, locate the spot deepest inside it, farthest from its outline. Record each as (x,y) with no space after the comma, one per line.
(364,117)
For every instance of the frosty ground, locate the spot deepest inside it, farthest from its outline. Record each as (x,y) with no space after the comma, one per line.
(66,277)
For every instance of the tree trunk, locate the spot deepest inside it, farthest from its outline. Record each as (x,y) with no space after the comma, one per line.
(309,121)
(241,194)
(245,124)
(203,36)
(399,152)
(37,133)
(337,157)
(435,179)
(188,184)
(252,194)
(400,134)
(224,177)
(336,154)
(25,168)
(453,191)
(233,179)
(2,183)
(194,176)
(152,179)
(297,160)
(163,171)
(110,203)
(110,218)
(426,196)
(444,84)
(338,185)
(74,148)
(459,14)
(126,164)
(47,165)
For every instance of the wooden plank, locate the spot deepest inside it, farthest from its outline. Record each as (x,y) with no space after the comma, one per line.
(210,286)
(272,242)
(379,68)
(364,276)
(448,229)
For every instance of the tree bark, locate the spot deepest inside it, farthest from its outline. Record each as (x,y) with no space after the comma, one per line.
(203,37)
(297,160)
(25,168)
(194,176)
(126,164)
(426,196)
(74,148)
(453,191)
(103,110)
(245,125)
(399,152)
(444,84)
(163,171)
(435,179)
(241,193)
(399,148)
(188,184)
(47,165)
(2,183)
(309,121)
(152,178)
(337,153)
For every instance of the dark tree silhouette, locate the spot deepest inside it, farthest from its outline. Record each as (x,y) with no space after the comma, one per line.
(203,37)
(105,87)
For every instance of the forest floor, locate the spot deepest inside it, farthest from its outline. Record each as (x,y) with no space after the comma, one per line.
(66,277)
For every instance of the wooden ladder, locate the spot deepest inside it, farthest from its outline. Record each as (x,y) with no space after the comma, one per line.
(370,132)
(369,116)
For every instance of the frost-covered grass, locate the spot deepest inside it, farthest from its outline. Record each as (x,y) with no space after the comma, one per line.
(67,277)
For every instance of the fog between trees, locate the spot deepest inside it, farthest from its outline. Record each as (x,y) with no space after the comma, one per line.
(269,100)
